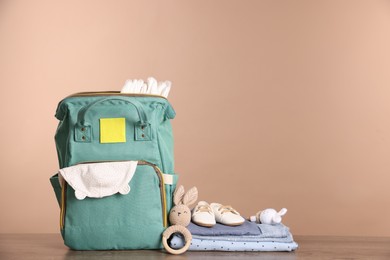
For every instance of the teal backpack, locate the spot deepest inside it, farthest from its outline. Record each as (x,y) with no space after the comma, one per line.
(100,127)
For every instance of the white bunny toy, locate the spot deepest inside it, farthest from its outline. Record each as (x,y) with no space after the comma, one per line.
(269,216)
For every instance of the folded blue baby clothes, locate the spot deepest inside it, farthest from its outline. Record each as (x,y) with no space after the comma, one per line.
(271,238)
(198,244)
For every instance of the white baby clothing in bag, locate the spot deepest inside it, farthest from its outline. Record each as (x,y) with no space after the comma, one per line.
(98,180)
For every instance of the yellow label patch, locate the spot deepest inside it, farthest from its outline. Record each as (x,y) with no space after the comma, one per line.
(112,130)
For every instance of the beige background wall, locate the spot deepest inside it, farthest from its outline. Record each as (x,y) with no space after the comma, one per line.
(279,103)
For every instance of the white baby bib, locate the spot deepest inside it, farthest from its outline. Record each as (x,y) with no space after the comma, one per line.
(98,180)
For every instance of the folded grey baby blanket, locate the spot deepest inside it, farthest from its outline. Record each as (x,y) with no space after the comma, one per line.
(248,228)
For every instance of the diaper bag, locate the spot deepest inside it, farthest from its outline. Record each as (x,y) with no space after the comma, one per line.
(104,129)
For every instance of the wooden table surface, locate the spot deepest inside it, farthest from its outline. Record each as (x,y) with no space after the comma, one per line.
(50,246)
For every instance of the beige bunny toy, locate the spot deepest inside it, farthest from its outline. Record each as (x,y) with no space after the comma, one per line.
(180,217)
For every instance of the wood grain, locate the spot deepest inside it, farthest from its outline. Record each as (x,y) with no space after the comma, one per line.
(50,246)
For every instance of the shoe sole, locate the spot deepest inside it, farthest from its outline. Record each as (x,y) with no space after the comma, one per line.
(233,224)
(203,225)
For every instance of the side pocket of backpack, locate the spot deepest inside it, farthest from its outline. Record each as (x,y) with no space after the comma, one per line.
(56,187)
(170,187)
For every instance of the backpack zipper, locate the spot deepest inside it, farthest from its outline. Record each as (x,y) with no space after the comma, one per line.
(112,93)
(161,186)
(63,204)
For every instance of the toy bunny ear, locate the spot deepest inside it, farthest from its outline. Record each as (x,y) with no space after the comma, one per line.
(282,212)
(191,196)
(178,195)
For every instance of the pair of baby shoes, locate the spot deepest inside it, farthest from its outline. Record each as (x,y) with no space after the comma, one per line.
(207,215)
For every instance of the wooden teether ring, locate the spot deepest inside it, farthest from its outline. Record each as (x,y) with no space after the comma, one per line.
(177,229)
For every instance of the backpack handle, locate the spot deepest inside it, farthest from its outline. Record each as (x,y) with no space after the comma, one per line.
(138,106)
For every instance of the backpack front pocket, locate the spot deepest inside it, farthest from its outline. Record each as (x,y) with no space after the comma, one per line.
(120,221)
